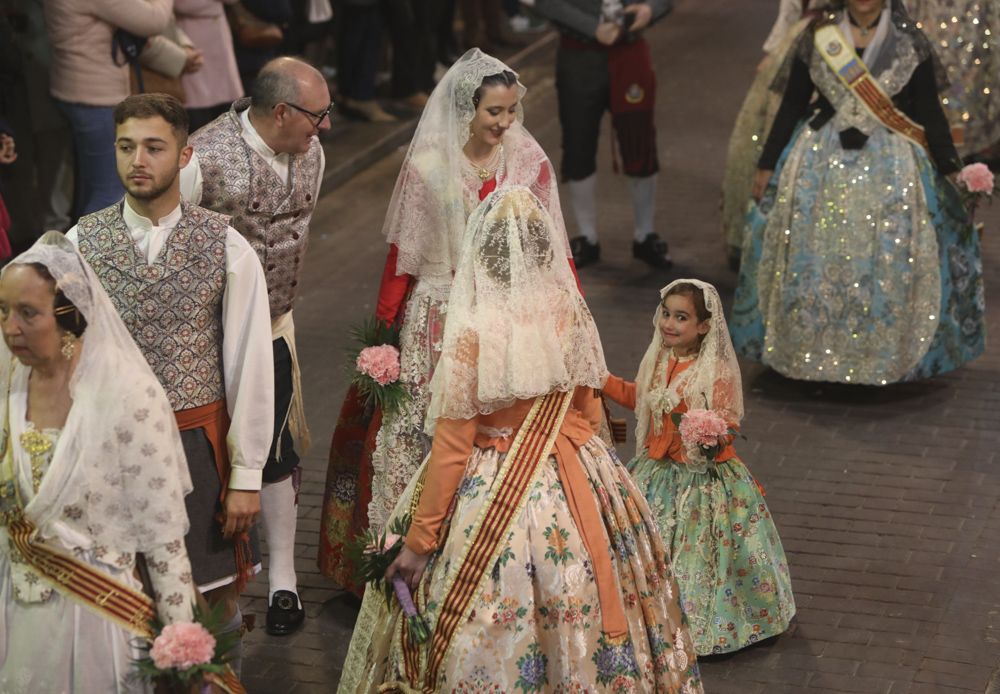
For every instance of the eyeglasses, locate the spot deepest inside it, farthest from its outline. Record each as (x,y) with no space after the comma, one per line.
(317,116)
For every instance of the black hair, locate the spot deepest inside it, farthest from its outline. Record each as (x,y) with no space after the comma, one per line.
(500,79)
(68,316)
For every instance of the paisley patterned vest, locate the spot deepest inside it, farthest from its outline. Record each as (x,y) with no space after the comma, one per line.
(274,217)
(172,307)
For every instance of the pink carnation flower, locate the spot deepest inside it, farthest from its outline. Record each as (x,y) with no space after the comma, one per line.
(702,427)
(977,178)
(182,645)
(380,363)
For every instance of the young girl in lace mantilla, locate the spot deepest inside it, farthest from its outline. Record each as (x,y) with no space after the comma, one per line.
(725,549)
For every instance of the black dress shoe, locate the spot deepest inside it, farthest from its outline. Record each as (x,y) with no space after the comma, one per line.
(653,251)
(284,616)
(584,252)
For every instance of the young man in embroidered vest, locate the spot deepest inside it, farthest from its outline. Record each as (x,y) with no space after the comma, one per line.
(604,64)
(262,164)
(192,294)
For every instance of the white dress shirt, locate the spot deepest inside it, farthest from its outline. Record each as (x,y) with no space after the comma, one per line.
(191,179)
(247,354)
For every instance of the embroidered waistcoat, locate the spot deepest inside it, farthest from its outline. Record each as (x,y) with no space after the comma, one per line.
(172,307)
(272,215)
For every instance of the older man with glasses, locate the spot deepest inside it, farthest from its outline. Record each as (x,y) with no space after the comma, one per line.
(262,164)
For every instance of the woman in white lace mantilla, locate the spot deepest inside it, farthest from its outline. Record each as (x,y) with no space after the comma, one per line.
(531,554)
(92,467)
(470,141)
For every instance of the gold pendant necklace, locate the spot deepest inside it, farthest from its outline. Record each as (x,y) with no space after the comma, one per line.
(487,168)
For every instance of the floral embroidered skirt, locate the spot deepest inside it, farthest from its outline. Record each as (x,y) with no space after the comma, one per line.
(536,624)
(725,551)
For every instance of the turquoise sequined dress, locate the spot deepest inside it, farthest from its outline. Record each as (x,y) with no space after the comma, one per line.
(860,264)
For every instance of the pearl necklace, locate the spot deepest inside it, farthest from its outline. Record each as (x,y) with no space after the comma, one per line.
(486,168)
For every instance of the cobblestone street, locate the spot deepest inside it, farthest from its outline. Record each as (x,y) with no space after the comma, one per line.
(887,499)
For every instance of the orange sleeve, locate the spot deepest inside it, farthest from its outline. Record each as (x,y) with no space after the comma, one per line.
(393,289)
(588,402)
(450,453)
(621,391)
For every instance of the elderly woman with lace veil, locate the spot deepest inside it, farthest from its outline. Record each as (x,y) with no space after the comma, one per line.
(92,473)
(860,265)
(532,555)
(470,141)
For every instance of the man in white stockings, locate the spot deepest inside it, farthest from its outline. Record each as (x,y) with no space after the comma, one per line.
(191,292)
(261,164)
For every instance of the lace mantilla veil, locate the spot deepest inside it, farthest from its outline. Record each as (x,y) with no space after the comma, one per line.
(430,204)
(712,382)
(517,326)
(118,474)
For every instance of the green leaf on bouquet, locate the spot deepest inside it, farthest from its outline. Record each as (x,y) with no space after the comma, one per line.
(371,556)
(676,418)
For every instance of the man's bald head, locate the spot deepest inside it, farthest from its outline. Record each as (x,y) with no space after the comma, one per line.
(284,80)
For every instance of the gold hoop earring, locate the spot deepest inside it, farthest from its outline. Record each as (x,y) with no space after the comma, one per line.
(68,348)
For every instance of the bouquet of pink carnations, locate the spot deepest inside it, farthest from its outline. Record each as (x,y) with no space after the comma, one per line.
(186,655)
(375,366)
(702,430)
(976,182)
(372,553)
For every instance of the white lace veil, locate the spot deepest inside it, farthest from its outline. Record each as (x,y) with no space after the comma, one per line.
(118,471)
(517,326)
(713,381)
(437,187)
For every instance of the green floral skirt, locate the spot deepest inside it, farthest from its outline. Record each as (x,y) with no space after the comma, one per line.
(725,551)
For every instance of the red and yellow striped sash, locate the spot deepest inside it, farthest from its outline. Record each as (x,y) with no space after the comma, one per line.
(531,447)
(854,74)
(95,590)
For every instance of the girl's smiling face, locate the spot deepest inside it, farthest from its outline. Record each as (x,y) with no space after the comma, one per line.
(680,328)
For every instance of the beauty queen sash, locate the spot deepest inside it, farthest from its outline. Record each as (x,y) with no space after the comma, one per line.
(532,445)
(853,74)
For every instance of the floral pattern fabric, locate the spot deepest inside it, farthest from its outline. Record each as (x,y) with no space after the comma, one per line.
(536,626)
(725,551)
(401,445)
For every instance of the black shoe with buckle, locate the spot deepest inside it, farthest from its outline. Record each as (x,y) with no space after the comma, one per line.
(284,616)
(584,252)
(653,251)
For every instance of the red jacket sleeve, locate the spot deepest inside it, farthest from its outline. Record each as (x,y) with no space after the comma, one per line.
(393,289)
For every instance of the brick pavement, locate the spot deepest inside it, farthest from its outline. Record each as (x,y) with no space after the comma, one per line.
(886,499)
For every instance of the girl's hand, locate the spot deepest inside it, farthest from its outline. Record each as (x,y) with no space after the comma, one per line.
(410,566)
(760,181)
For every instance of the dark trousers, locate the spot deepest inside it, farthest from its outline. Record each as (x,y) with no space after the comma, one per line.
(358,45)
(583,86)
(275,469)
(412,25)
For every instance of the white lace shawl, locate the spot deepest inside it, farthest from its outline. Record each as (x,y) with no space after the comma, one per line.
(517,325)
(437,187)
(712,382)
(118,474)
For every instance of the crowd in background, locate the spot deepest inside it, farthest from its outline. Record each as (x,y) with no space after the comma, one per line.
(65,64)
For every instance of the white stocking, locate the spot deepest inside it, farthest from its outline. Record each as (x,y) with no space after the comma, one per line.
(581,195)
(279,513)
(643,192)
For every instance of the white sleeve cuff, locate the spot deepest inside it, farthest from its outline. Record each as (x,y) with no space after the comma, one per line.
(245,479)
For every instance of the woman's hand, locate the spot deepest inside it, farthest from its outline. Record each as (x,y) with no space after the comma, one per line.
(643,15)
(410,566)
(195,60)
(760,181)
